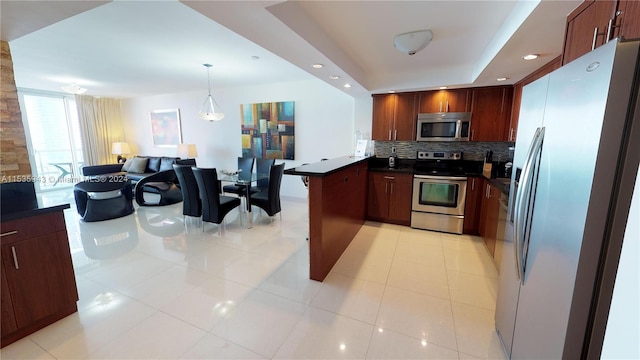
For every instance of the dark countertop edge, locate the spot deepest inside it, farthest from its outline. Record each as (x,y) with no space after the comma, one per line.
(324,168)
(33,212)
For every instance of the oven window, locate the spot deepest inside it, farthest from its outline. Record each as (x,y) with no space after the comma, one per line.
(440,129)
(439,194)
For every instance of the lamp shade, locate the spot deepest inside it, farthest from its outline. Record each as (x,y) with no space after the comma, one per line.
(187,151)
(119,148)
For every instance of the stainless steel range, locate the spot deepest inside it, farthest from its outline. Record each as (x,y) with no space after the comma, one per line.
(439,191)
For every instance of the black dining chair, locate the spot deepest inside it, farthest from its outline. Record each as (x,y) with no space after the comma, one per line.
(246,165)
(214,206)
(263,166)
(269,200)
(191,203)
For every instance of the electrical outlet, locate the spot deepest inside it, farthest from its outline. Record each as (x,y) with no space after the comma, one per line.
(393,149)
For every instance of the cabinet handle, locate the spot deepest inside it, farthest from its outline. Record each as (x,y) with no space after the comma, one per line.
(389,134)
(9,233)
(473,184)
(15,258)
(595,37)
(390,177)
(611,26)
(386,187)
(472,133)
(447,108)
(440,107)
(511,134)
(487,192)
(395,134)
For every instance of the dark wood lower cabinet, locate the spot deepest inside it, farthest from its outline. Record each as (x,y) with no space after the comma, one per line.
(489,216)
(389,197)
(38,282)
(475,186)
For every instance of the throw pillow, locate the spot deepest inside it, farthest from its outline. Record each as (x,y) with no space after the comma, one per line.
(166,163)
(138,165)
(127,164)
(154,164)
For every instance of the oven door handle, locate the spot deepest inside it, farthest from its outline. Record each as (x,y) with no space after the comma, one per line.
(428,177)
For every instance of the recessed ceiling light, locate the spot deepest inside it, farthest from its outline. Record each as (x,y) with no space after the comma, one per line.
(334,77)
(530,57)
(442,87)
(391,91)
(318,66)
(347,85)
(502,78)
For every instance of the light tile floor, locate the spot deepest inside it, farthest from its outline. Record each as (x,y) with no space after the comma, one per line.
(153,286)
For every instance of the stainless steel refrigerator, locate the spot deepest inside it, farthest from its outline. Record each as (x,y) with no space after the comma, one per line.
(575,162)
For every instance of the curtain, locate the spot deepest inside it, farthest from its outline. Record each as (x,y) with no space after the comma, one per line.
(100,126)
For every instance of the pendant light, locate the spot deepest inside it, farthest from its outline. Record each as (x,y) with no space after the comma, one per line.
(210,110)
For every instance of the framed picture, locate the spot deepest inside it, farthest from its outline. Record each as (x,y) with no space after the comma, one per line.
(165,127)
(268,130)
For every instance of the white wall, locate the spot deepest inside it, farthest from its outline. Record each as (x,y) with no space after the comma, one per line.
(324,124)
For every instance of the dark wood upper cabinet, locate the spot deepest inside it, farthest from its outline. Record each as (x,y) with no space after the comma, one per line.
(457,100)
(491,113)
(594,23)
(394,117)
(627,23)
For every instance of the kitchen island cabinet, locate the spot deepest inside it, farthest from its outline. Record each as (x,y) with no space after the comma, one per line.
(394,117)
(456,100)
(38,281)
(337,198)
(389,198)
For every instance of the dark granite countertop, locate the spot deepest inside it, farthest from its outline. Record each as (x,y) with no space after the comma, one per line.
(324,168)
(38,210)
(18,200)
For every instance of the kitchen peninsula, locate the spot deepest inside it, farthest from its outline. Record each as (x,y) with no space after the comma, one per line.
(38,281)
(337,208)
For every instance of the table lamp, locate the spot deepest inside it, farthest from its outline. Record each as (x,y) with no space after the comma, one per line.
(187,151)
(119,148)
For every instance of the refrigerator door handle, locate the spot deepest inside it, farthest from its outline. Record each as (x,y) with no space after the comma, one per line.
(520,208)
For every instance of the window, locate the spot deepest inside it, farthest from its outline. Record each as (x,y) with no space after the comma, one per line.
(53,137)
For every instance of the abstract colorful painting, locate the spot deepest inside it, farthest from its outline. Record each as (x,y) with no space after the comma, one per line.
(268,130)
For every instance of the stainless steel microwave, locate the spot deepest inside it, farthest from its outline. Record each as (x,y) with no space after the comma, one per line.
(446,126)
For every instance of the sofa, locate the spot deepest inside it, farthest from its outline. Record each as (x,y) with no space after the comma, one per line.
(136,168)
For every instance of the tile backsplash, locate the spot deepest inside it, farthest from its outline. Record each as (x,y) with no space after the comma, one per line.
(471,150)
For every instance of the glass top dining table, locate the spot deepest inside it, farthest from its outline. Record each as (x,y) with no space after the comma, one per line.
(245,179)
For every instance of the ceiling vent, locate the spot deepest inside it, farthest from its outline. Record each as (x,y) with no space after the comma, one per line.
(412,42)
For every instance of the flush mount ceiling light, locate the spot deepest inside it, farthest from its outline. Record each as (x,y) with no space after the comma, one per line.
(412,42)
(210,110)
(334,77)
(317,66)
(73,89)
(530,56)
(502,79)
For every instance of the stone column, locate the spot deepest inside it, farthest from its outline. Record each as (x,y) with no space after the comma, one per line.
(14,156)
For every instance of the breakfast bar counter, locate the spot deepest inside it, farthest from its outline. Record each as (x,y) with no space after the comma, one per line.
(337,208)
